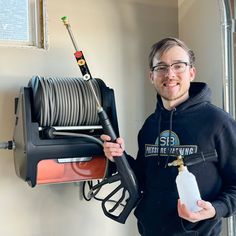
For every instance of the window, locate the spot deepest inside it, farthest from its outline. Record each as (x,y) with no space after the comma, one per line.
(23,23)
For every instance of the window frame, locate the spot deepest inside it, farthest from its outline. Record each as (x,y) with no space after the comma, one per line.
(37,30)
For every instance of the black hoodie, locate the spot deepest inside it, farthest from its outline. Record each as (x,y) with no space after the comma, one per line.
(194,126)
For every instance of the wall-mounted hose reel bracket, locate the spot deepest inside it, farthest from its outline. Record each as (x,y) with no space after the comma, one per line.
(56,134)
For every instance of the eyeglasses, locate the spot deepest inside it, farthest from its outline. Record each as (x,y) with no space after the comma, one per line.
(177,68)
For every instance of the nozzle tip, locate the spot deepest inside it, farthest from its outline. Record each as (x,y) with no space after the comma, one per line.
(65,19)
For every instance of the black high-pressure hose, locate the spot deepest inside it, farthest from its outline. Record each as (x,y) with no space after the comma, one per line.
(195,158)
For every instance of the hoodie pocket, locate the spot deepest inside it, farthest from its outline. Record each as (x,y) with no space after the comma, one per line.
(210,227)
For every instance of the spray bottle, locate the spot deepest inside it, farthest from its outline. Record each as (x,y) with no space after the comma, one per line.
(187,186)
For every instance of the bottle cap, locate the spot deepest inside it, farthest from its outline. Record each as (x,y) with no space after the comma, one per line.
(182,168)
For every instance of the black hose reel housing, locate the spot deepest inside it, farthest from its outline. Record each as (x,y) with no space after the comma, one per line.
(37,155)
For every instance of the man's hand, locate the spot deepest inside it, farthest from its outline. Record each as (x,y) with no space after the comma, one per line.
(207,212)
(112,149)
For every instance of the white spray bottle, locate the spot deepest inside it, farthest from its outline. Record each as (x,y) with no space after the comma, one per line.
(187,186)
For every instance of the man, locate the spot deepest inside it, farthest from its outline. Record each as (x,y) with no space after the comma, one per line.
(184,121)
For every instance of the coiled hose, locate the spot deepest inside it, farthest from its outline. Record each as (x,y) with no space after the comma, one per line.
(64,101)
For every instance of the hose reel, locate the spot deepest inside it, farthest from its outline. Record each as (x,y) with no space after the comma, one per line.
(57,130)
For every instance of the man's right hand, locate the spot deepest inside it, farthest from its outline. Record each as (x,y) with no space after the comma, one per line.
(112,149)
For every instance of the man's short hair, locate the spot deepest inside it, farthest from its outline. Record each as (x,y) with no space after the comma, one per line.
(165,44)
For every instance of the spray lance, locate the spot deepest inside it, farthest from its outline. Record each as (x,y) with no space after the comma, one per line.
(186,182)
(128,183)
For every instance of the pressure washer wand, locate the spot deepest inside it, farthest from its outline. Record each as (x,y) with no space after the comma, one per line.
(125,173)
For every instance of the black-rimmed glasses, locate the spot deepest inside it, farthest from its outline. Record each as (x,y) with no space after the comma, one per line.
(177,68)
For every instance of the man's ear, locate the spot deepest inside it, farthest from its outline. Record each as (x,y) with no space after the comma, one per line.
(151,77)
(192,72)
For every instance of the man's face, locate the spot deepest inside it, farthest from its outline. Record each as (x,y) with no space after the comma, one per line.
(173,86)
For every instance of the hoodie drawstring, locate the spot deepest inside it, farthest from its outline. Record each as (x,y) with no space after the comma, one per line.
(170,130)
(159,142)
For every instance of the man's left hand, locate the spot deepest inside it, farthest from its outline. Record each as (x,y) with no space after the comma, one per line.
(207,212)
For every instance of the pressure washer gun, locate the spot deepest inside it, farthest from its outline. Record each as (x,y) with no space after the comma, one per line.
(125,175)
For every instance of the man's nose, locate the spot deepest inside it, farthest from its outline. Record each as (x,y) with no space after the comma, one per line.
(170,73)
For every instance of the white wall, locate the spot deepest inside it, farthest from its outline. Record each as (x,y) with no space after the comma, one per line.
(115,37)
(200,28)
